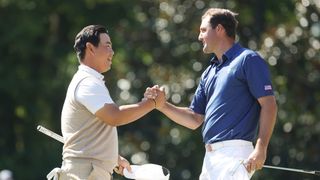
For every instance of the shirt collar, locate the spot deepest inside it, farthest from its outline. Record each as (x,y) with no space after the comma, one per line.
(229,54)
(90,71)
(232,52)
(215,61)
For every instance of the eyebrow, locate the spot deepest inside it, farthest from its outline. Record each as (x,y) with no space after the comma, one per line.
(108,43)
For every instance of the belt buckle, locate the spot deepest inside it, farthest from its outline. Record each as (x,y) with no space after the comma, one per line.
(209,148)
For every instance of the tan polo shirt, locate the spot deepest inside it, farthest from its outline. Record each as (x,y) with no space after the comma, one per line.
(86,136)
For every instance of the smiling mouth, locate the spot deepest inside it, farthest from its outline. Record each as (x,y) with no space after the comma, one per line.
(204,44)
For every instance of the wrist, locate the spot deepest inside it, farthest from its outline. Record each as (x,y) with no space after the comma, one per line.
(161,107)
(261,145)
(151,102)
(155,103)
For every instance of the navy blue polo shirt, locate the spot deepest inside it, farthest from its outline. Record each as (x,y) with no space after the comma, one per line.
(227,95)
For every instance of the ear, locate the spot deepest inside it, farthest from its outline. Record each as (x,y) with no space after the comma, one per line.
(90,48)
(220,29)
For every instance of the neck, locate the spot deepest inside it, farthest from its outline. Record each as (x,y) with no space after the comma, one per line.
(89,62)
(224,46)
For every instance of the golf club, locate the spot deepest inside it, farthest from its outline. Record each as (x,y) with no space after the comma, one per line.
(50,133)
(317,173)
(59,138)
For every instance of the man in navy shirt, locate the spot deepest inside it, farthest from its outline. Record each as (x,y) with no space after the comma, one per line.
(233,101)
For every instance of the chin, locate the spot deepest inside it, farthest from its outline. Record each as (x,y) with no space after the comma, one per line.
(206,51)
(105,70)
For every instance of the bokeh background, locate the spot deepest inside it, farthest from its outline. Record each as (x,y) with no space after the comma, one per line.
(155,42)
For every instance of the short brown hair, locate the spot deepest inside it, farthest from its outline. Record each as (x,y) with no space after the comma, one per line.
(224,17)
(90,34)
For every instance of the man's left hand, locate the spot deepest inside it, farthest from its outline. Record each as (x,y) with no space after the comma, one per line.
(122,163)
(256,159)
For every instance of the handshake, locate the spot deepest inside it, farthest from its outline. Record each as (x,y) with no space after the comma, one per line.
(157,94)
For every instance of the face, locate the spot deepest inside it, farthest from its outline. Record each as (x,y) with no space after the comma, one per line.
(103,53)
(207,36)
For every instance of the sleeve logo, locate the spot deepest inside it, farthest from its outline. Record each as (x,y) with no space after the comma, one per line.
(267,87)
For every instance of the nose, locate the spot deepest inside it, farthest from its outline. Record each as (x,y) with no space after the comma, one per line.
(200,37)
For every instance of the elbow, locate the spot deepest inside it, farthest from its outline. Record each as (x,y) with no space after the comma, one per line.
(195,121)
(110,121)
(275,106)
(113,120)
(275,111)
(113,123)
(111,115)
(195,125)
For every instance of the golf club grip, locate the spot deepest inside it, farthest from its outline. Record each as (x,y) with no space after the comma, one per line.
(50,133)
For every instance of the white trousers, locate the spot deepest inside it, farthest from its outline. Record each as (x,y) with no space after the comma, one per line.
(225,161)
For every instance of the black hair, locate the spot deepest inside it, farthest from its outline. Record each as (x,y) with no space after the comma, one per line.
(89,34)
(224,17)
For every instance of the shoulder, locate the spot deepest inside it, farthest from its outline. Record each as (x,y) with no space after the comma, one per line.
(86,78)
(248,54)
(86,82)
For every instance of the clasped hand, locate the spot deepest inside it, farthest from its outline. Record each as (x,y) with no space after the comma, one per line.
(157,94)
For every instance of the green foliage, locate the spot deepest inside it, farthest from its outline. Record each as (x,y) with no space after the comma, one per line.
(155,42)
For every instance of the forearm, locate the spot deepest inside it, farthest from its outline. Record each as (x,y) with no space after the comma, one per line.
(117,116)
(267,121)
(268,115)
(132,112)
(182,115)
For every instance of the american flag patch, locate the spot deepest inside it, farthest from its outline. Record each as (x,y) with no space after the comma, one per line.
(267,87)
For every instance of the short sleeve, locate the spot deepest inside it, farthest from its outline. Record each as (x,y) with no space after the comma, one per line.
(198,103)
(258,76)
(93,94)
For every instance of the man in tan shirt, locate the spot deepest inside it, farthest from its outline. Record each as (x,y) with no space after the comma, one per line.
(89,116)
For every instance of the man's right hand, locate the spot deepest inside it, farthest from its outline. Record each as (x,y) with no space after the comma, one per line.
(161,97)
(158,94)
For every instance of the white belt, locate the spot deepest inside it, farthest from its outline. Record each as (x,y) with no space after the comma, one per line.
(228,143)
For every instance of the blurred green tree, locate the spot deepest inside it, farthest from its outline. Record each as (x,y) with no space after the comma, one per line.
(155,42)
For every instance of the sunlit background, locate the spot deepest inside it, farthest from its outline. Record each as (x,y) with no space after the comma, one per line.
(155,42)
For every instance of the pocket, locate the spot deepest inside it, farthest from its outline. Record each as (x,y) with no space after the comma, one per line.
(250,174)
(75,171)
(99,173)
(238,171)
(245,171)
